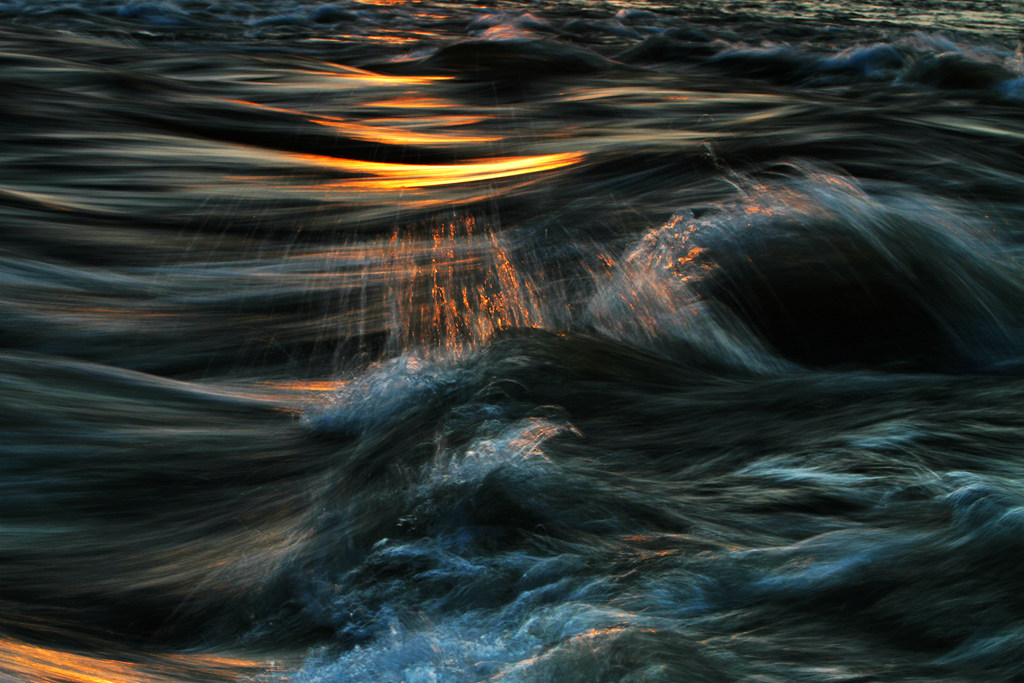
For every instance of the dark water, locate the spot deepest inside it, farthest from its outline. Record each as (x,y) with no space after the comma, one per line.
(513,342)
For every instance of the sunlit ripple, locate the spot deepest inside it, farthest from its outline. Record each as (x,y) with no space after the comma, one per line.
(393,176)
(35,664)
(392,136)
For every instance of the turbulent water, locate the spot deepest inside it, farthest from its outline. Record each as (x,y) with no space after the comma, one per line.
(582,341)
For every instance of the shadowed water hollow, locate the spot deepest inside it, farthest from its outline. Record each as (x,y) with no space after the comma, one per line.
(579,341)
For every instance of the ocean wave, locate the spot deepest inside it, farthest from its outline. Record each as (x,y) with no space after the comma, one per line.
(528,547)
(920,60)
(824,274)
(428,342)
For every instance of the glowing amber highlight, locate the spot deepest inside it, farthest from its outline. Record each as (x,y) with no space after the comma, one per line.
(34,664)
(393,136)
(459,287)
(372,78)
(29,663)
(384,133)
(410,102)
(428,121)
(266,107)
(311,385)
(391,176)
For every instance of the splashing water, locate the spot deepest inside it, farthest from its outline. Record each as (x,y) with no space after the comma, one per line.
(571,341)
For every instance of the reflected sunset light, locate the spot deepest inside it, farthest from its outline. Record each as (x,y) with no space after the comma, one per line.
(392,176)
(392,136)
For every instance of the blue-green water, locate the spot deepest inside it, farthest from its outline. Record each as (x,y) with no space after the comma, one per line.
(511,342)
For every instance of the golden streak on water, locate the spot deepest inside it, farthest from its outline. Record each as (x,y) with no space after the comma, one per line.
(411,102)
(34,664)
(351,73)
(427,121)
(393,136)
(308,385)
(392,176)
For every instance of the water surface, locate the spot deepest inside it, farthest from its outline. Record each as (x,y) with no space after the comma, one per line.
(511,342)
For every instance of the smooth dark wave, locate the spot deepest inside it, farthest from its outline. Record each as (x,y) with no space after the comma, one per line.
(513,342)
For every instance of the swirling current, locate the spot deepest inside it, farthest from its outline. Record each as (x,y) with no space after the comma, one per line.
(565,341)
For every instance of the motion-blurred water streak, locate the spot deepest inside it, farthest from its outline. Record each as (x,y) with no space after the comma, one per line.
(580,341)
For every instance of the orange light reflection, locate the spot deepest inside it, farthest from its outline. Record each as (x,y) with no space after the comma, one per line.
(266,107)
(409,102)
(392,176)
(34,664)
(393,136)
(372,78)
(428,121)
